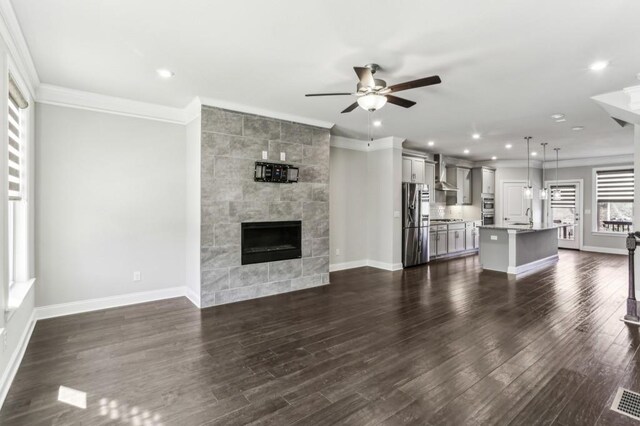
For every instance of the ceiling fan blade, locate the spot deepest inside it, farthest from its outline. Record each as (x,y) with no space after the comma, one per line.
(328,94)
(350,107)
(427,81)
(400,101)
(365,76)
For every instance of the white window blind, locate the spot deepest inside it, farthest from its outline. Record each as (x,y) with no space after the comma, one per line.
(567,196)
(614,186)
(16,136)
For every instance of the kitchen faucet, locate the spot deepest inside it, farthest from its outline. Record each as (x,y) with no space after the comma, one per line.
(529,214)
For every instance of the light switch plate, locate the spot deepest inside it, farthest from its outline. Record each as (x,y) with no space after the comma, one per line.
(283,156)
(136,276)
(494,237)
(265,155)
(396,213)
(587,211)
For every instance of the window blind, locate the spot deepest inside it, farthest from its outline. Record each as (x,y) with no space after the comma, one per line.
(567,196)
(15,151)
(614,186)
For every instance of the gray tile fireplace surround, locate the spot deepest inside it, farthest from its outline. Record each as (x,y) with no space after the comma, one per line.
(231,143)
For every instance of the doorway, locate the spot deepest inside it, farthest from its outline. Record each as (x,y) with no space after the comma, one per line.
(567,210)
(514,206)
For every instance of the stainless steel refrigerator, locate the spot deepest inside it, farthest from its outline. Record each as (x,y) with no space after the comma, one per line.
(415,224)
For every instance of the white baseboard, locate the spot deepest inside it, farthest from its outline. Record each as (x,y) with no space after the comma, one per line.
(62,309)
(192,296)
(605,250)
(347,265)
(532,265)
(16,358)
(365,262)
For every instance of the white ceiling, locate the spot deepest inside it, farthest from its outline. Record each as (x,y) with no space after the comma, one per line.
(505,65)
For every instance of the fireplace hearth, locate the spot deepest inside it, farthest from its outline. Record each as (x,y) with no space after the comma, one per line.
(271,241)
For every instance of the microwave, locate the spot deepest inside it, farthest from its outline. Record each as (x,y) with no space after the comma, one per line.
(488,203)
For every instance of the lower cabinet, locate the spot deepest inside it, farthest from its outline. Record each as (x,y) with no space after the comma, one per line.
(456,240)
(441,237)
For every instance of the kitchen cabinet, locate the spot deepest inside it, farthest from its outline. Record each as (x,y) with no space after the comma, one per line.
(470,238)
(437,240)
(488,181)
(430,177)
(455,240)
(461,178)
(413,170)
(442,243)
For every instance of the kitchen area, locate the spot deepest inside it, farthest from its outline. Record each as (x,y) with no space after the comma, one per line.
(449,211)
(444,204)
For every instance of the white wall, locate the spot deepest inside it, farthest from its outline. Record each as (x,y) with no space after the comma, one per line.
(192,218)
(348,205)
(111,200)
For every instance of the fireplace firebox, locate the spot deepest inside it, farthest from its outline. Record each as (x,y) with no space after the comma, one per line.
(271,241)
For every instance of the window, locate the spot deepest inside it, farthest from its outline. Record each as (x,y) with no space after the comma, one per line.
(613,210)
(16,173)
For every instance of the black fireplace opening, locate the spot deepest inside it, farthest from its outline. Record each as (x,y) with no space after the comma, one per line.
(270,241)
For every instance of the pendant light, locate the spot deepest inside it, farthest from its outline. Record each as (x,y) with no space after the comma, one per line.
(528,190)
(544,192)
(556,194)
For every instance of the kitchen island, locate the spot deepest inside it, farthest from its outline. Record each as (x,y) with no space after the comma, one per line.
(515,249)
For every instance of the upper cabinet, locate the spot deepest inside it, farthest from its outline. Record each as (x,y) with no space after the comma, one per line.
(413,170)
(488,181)
(461,178)
(430,176)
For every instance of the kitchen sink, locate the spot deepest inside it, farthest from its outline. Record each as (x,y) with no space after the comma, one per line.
(521,223)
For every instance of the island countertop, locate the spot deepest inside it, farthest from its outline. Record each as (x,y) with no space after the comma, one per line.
(536,227)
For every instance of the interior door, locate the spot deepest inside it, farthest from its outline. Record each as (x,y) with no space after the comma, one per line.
(566,210)
(514,206)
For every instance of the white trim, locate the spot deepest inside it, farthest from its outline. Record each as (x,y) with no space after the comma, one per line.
(264,112)
(391,142)
(384,265)
(532,265)
(16,358)
(193,296)
(594,195)
(534,164)
(348,143)
(591,161)
(56,95)
(11,33)
(347,265)
(606,250)
(634,96)
(193,110)
(62,309)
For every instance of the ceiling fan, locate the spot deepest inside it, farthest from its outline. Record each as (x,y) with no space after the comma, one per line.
(373,93)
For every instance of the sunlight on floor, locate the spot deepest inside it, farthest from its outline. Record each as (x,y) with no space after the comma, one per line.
(72,397)
(133,415)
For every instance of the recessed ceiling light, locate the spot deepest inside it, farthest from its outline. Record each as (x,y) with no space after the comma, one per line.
(599,65)
(476,135)
(164,73)
(557,116)
(431,143)
(577,128)
(466,151)
(508,146)
(377,123)
(533,154)
(561,120)
(494,158)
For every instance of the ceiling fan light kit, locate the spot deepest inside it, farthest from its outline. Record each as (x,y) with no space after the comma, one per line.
(372,93)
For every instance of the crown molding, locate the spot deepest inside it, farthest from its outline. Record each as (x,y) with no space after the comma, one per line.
(634,96)
(534,164)
(193,110)
(265,112)
(591,161)
(11,33)
(56,95)
(391,142)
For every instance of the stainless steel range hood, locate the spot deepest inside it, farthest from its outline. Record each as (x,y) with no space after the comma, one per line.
(441,175)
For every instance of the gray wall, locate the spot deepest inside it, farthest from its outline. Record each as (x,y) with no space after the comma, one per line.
(348,205)
(585,173)
(110,197)
(231,143)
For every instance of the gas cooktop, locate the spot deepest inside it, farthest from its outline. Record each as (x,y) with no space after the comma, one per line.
(446,220)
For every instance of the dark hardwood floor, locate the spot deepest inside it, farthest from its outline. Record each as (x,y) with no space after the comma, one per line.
(444,344)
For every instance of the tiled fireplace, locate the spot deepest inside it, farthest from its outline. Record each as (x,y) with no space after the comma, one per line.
(232,203)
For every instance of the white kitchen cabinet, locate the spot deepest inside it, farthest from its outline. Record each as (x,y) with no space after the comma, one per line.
(469,238)
(413,170)
(488,181)
(441,243)
(466,185)
(461,178)
(430,177)
(433,243)
(456,240)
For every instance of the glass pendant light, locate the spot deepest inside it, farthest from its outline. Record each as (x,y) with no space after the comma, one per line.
(528,190)
(556,194)
(544,192)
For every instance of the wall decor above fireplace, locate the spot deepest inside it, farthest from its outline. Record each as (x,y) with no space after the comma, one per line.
(274,172)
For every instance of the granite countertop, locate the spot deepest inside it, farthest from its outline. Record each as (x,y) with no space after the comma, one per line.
(536,227)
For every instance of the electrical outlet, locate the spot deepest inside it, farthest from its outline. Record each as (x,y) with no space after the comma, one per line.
(283,156)
(494,238)
(396,213)
(265,155)
(136,276)
(337,252)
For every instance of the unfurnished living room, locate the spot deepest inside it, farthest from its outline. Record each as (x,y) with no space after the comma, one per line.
(319,212)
